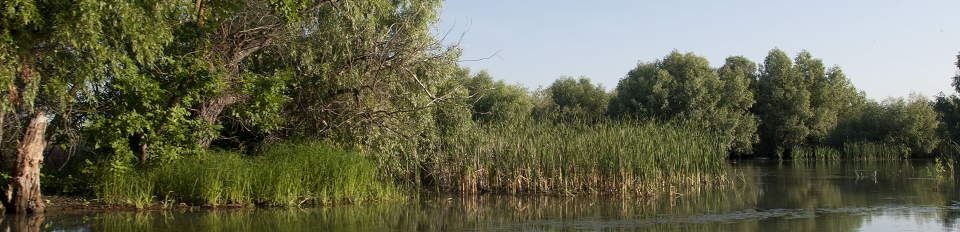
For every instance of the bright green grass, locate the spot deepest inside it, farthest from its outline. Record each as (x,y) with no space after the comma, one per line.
(283,175)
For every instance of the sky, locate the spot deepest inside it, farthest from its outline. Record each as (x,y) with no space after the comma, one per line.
(886,48)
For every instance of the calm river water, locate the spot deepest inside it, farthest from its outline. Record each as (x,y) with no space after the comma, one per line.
(764,196)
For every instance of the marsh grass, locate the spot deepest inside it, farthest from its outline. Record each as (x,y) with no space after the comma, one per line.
(851,151)
(627,158)
(874,150)
(283,175)
(816,153)
(610,158)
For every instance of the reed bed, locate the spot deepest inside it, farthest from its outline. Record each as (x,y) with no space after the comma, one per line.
(611,158)
(874,150)
(816,153)
(283,175)
(851,151)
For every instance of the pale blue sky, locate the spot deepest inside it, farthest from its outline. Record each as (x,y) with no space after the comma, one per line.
(887,48)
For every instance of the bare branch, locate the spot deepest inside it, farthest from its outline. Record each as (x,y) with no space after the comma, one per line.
(495,54)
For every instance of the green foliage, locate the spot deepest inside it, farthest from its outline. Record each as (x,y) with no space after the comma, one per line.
(497,102)
(910,123)
(685,87)
(363,69)
(783,104)
(572,100)
(948,108)
(145,116)
(55,56)
(800,103)
(283,175)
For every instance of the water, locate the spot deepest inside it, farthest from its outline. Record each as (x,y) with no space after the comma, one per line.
(764,196)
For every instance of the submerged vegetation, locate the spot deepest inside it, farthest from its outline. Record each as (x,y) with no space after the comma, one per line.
(325,102)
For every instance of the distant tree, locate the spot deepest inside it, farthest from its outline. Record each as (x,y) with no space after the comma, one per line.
(910,123)
(574,99)
(801,103)
(783,104)
(948,106)
(497,101)
(948,109)
(685,87)
(740,64)
(737,75)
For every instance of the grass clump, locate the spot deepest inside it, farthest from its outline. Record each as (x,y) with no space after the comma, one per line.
(282,175)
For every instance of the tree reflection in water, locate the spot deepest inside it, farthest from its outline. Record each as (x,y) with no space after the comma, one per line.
(762,196)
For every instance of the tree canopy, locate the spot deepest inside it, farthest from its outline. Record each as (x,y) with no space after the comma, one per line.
(685,87)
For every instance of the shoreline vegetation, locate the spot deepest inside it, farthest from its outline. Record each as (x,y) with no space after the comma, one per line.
(550,159)
(290,103)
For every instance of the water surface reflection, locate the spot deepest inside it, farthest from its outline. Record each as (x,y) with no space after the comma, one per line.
(764,196)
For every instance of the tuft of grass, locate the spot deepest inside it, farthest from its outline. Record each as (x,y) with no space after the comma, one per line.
(283,175)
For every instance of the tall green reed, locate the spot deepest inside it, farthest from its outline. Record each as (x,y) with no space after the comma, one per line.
(283,175)
(617,158)
(874,150)
(851,151)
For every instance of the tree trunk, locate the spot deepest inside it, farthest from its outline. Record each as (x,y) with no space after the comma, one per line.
(210,111)
(23,193)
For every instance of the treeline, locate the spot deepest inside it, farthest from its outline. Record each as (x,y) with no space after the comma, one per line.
(767,109)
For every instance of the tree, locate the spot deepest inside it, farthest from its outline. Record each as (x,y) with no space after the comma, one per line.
(948,108)
(362,69)
(55,57)
(357,65)
(685,87)
(740,64)
(738,74)
(783,104)
(910,123)
(497,101)
(801,103)
(573,99)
